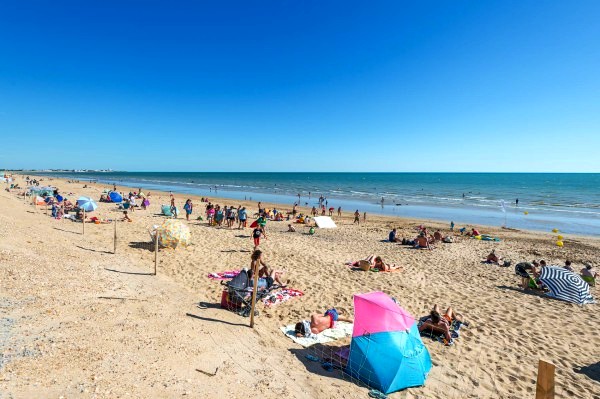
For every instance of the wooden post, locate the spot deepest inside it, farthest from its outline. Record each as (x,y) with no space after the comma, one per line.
(155,251)
(83,231)
(254,289)
(115,238)
(545,381)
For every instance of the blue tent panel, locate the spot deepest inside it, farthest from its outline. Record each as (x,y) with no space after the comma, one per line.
(389,361)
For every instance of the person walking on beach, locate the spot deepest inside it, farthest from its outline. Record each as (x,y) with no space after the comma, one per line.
(256,234)
(452,226)
(339,211)
(364,217)
(173,208)
(230,217)
(242,216)
(188,209)
(357,217)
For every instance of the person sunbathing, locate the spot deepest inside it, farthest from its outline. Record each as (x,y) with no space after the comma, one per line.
(384,267)
(442,322)
(319,323)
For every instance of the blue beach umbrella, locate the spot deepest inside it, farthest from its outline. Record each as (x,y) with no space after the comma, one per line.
(115,196)
(87,204)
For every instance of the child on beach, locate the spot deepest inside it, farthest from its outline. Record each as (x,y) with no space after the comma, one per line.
(357,217)
(126,217)
(256,234)
(188,208)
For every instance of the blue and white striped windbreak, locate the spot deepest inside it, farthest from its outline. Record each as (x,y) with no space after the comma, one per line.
(566,285)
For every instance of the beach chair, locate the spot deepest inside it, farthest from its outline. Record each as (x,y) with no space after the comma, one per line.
(237,295)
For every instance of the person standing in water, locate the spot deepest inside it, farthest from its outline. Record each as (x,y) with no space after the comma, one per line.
(517,202)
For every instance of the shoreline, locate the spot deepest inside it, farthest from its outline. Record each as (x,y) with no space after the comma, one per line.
(253,198)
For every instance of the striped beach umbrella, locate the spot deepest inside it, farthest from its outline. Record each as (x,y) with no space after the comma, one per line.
(172,233)
(87,204)
(566,285)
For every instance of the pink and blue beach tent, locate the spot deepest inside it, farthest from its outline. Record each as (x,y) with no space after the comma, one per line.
(386,352)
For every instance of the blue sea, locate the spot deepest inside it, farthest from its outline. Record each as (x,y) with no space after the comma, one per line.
(566,201)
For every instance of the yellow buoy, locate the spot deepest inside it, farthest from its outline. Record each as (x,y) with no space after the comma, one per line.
(559,243)
(555,230)
(560,238)
(525,213)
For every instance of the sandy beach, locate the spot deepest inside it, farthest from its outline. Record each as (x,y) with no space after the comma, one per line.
(81,321)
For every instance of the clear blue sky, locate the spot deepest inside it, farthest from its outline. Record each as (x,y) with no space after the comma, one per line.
(301,85)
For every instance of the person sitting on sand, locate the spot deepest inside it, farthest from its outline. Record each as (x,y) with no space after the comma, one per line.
(568,266)
(319,323)
(421,241)
(438,236)
(493,258)
(126,217)
(474,232)
(442,322)
(392,236)
(291,229)
(266,277)
(588,273)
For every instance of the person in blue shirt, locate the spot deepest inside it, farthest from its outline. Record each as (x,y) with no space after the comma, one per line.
(392,237)
(242,217)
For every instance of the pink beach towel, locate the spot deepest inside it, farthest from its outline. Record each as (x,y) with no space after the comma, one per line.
(280,296)
(223,275)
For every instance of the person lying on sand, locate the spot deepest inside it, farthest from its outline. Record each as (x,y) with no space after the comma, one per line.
(384,267)
(442,322)
(319,323)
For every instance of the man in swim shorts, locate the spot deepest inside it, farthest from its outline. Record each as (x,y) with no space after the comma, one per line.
(319,323)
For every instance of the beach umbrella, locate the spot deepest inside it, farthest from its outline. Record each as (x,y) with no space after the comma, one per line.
(386,351)
(566,285)
(173,233)
(87,204)
(115,197)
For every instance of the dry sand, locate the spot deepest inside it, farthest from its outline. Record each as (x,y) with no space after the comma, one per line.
(60,337)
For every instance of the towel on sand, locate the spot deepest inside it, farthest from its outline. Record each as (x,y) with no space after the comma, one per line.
(281,295)
(341,330)
(223,275)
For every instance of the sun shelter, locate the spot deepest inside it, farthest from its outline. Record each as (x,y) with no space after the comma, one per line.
(115,197)
(566,285)
(324,222)
(173,233)
(87,204)
(386,351)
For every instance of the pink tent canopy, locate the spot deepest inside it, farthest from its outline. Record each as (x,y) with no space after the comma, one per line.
(376,312)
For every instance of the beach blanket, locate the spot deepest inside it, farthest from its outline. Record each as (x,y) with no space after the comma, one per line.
(341,330)
(223,275)
(279,296)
